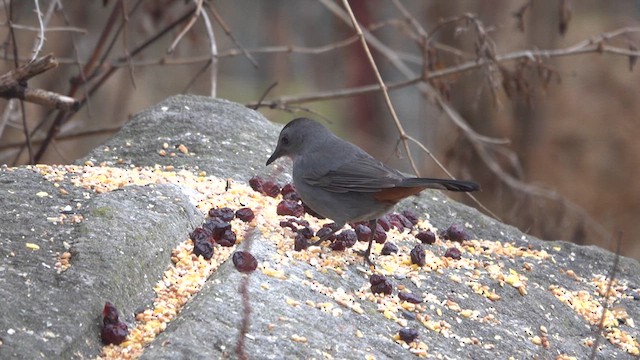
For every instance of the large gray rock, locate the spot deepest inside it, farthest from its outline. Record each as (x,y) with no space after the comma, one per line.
(122,247)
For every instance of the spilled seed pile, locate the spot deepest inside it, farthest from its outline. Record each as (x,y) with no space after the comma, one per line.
(480,262)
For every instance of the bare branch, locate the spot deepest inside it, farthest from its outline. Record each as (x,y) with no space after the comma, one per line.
(213,48)
(14,85)
(227,31)
(187,27)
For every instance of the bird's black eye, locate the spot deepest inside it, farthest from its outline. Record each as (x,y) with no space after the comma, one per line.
(284,140)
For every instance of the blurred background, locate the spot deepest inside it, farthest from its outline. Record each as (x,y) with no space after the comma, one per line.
(547,89)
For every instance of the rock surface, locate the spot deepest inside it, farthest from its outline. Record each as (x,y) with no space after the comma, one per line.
(122,244)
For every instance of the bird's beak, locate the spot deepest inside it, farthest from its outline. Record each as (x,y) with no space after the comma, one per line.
(274,156)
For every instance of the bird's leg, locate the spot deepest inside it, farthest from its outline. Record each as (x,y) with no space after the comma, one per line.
(372,225)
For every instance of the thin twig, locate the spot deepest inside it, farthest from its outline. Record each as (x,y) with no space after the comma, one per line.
(40,38)
(14,47)
(213,49)
(61,117)
(47,29)
(125,43)
(187,26)
(441,166)
(227,31)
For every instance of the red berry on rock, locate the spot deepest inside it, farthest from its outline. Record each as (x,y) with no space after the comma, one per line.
(455,232)
(426,237)
(270,188)
(201,234)
(245,214)
(227,239)
(453,253)
(408,335)
(410,297)
(363,232)
(325,231)
(114,333)
(256,183)
(306,232)
(300,243)
(384,221)
(381,235)
(411,216)
(244,261)
(113,330)
(289,192)
(348,237)
(224,214)
(203,248)
(109,313)
(380,284)
(389,248)
(404,220)
(288,224)
(338,245)
(418,255)
(217,227)
(290,207)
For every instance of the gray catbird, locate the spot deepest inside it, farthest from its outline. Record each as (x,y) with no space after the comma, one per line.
(340,181)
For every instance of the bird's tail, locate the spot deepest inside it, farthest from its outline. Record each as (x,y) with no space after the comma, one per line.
(441,184)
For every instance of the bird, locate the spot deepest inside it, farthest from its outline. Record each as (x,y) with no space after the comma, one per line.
(342,182)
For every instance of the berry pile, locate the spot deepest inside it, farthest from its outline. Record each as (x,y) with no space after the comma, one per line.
(292,205)
(217,229)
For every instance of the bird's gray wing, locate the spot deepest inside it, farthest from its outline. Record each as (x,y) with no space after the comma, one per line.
(361,173)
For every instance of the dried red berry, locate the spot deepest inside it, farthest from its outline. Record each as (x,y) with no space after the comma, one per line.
(245,214)
(288,224)
(224,214)
(203,248)
(418,255)
(380,284)
(453,253)
(384,221)
(217,227)
(256,183)
(426,237)
(201,234)
(404,220)
(348,237)
(410,297)
(300,243)
(227,239)
(338,245)
(324,232)
(381,235)
(363,232)
(306,232)
(290,207)
(113,330)
(455,232)
(109,313)
(244,261)
(289,192)
(408,335)
(389,248)
(270,188)
(411,216)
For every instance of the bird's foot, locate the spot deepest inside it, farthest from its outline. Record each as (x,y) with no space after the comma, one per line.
(366,255)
